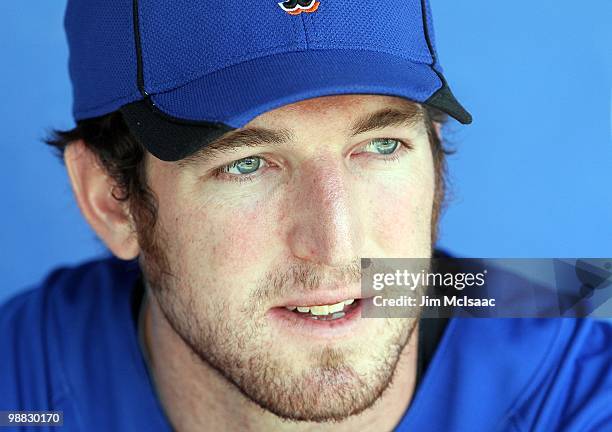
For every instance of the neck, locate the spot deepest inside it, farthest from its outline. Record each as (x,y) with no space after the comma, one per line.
(196,397)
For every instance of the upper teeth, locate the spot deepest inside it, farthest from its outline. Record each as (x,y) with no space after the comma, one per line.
(323,309)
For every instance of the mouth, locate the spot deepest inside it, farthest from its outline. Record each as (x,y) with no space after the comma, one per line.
(329,312)
(339,319)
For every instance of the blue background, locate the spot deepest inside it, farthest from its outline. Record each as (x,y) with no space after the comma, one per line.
(532,176)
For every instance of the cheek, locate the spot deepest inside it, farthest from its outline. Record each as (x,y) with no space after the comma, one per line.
(399,214)
(241,239)
(225,244)
(221,251)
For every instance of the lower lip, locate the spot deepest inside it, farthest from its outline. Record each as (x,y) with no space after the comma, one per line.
(304,326)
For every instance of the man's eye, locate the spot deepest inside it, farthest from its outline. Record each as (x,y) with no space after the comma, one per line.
(247,165)
(383,146)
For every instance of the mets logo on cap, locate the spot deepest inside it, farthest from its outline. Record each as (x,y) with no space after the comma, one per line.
(296,7)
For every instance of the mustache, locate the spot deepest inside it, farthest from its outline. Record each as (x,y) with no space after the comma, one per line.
(301,277)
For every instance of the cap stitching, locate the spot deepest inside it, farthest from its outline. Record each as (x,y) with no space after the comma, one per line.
(305,31)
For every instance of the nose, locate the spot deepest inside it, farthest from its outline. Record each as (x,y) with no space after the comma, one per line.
(325,225)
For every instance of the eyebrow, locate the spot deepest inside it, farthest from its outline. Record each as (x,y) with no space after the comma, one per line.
(407,116)
(253,137)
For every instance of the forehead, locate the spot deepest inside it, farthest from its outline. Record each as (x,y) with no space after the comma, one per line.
(328,108)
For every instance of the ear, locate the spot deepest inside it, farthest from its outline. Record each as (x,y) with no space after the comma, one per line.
(438,129)
(93,188)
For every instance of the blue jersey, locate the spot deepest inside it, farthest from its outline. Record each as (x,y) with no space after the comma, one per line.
(71,345)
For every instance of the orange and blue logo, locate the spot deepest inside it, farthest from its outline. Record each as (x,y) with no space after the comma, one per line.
(296,7)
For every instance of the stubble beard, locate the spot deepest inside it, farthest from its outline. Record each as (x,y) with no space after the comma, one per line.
(328,390)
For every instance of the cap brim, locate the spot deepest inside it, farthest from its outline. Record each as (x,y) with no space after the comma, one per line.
(174,124)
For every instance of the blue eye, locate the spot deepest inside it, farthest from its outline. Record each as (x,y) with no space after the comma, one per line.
(247,165)
(383,146)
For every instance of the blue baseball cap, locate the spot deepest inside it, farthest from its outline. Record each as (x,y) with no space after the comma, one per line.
(185,72)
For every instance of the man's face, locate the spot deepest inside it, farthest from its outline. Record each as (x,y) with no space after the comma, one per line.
(277,216)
